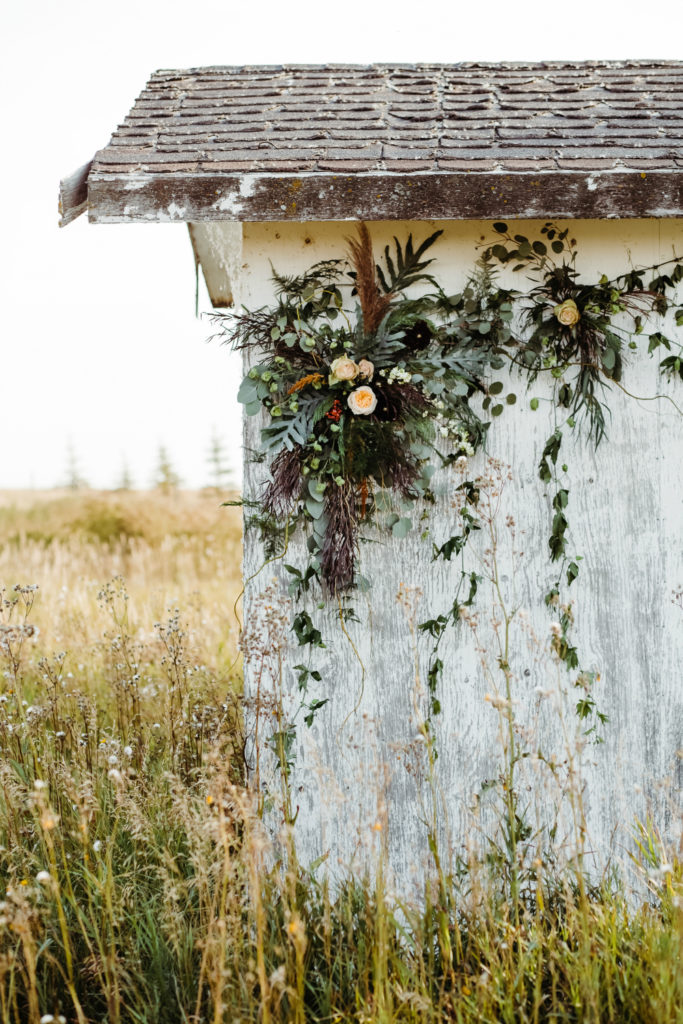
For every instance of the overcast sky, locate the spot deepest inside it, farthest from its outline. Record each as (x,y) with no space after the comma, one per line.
(100,344)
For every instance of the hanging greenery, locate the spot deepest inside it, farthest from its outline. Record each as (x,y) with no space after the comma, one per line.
(364,387)
(357,398)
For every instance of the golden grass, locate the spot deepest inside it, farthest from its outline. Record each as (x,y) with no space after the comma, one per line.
(179,548)
(138,883)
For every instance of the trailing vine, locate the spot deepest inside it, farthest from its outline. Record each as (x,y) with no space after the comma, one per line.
(366,390)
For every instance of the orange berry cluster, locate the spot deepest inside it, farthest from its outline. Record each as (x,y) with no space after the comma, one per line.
(335,412)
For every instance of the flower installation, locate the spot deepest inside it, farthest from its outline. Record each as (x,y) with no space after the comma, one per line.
(365,395)
(357,400)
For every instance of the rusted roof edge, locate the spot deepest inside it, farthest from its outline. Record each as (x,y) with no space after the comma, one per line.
(470,195)
(73,195)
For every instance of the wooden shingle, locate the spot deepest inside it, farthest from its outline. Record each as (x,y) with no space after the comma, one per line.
(309,142)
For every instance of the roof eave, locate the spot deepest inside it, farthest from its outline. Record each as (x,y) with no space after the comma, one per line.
(73,195)
(153,197)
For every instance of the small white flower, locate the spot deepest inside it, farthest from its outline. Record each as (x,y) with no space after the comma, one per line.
(556,629)
(97,845)
(156,726)
(461,463)
(115,775)
(43,877)
(113,759)
(47,1018)
(128,751)
(443,431)
(39,784)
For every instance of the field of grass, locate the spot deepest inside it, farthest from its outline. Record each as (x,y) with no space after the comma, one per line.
(138,884)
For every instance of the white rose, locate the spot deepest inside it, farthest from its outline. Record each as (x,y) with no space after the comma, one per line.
(362,401)
(343,368)
(366,368)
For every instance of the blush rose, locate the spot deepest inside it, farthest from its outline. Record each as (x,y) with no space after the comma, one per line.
(343,368)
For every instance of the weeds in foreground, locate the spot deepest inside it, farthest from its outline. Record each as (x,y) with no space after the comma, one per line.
(141,886)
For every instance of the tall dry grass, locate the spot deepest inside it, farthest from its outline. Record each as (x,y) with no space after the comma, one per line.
(140,885)
(173,548)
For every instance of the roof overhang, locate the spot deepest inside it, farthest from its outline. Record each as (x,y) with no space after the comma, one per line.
(154,197)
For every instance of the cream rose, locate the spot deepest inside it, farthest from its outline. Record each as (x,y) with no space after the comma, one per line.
(343,368)
(366,368)
(567,313)
(362,401)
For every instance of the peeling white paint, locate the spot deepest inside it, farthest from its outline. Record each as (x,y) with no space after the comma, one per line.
(626,514)
(229,203)
(133,184)
(176,212)
(248,184)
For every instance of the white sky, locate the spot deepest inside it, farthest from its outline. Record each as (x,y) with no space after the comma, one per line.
(99,340)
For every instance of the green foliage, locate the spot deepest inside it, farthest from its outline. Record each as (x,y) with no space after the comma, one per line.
(581,329)
(305,631)
(406,268)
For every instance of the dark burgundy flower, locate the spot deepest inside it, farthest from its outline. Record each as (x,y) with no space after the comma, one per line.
(418,336)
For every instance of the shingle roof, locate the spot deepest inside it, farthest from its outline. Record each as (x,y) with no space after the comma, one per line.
(239,133)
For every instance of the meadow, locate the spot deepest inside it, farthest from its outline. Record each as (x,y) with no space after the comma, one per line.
(138,881)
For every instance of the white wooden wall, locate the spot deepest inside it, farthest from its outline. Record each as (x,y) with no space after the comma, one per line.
(361,780)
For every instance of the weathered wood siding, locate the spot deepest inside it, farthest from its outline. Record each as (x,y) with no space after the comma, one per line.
(362,764)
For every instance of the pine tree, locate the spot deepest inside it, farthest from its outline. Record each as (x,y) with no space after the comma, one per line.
(74,479)
(125,482)
(165,478)
(218,468)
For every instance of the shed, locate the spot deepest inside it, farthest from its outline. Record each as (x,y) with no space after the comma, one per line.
(267,166)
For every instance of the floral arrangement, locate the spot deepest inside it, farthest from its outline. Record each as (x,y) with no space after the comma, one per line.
(357,399)
(579,332)
(366,390)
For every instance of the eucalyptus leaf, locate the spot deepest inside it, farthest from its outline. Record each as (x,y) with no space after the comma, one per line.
(402,528)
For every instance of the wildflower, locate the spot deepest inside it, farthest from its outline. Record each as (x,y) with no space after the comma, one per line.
(128,751)
(115,775)
(113,759)
(48,820)
(97,845)
(47,1018)
(24,881)
(278,976)
(43,877)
